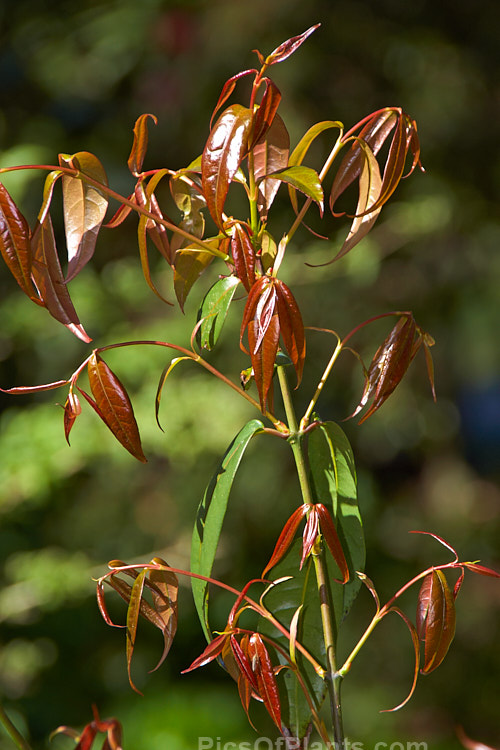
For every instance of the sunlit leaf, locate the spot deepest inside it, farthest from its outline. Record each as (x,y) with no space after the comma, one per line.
(164,589)
(287,48)
(163,377)
(140,144)
(48,277)
(121,214)
(330,536)
(435,619)
(210,517)
(304,179)
(270,155)
(266,111)
(285,538)
(84,208)
(213,311)
(72,409)
(482,570)
(132,621)
(155,230)
(228,89)
(21,390)
(15,243)
(243,254)
(146,227)
(48,192)
(226,147)
(211,652)
(114,405)
(190,263)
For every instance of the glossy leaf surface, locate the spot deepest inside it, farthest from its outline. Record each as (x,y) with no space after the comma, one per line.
(210,517)
(435,619)
(224,151)
(214,309)
(284,50)
(189,265)
(264,674)
(15,243)
(48,277)
(304,179)
(270,155)
(84,208)
(243,254)
(114,406)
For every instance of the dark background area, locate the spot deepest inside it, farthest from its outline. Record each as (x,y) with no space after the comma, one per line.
(74,77)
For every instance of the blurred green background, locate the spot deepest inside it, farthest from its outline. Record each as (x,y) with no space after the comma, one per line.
(74,76)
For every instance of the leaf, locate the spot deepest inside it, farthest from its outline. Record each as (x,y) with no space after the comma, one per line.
(15,243)
(84,208)
(190,262)
(284,50)
(435,619)
(147,227)
(165,587)
(228,89)
(213,311)
(72,409)
(132,621)
(243,254)
(211,652)
(48,192)
(114,406)
(154,229)
(388,366)
(291,327)
(482,570)
(163,377)
(261,321)
(286,538)
(333,478)
(224,151)
(370,185)
(210,517)
(266,681)
(20,390)
(330,536)
(189,199)
(270,155)
(48,277)
(304,179)
(266,112)
(299,152)
(416,647)
(140,144)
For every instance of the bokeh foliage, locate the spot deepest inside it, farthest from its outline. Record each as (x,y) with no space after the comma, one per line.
(75,77)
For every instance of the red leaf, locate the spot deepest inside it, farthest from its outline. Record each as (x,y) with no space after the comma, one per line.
(120,215)
(228,89)
(224,151)
(291,327)
(482,570)
(240,653)
(260,318)
(164,587)
(264,117)
(114,406)
(435,619)
(270,155)
(243,254)
(15,243)
(310,535)
(48,277)
(22,389)
(332,540)
(133,610)
(285,538)
(264,674)
(211,652)
(416,646)
(287,48)
(140,144)
(72,409)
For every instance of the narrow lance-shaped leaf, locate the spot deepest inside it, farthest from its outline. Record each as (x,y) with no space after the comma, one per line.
(270,154)
(114,405)
(190,262)
(284,50)
(304,179)
(266,681)
(72,409)
(299,152)
(291,327)
(146,227)
(188,196)
(213,311)
(84,208)
(285,538)
(224,151)
(132,621)
(165,587)
(210,517)
(243,254)
(228,89)
(15,243)
(266,112)
(140,144)
(435,619)
(48,277)
(416,648)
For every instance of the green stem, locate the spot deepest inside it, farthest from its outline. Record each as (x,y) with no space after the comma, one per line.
(333,678)
(12,731)
(324,378)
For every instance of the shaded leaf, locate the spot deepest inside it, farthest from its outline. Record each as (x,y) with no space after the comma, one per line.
(84,208)
(435,619)
(190,262)
(224,151)
(266,111)
(121,214)
(243,254)
(416,647)
(72,409)
(270,155)
(15,243)
(164,589)
(48,277)
(284,50)
(140,144)
(189,199)
(266,681)
(213,311)
(48,192)
(114,405)
(210,517)
(155,230)
(132,621)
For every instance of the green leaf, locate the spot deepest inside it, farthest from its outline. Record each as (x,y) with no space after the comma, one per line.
(301,178)
(333,477)
(190,262)
(210,518)
(213,311)
(132,621)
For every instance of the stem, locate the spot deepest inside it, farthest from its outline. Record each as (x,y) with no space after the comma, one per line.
(333,678)
(324,378)
(13,732)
